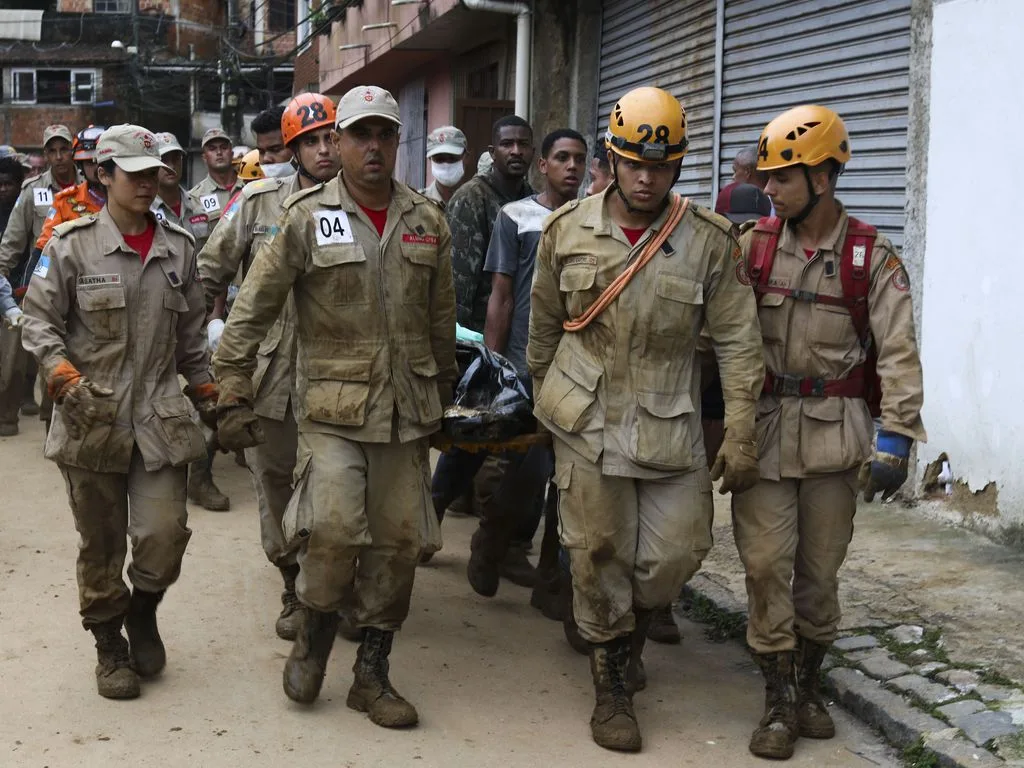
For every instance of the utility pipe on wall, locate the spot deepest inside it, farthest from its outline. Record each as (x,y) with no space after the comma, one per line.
(524,45)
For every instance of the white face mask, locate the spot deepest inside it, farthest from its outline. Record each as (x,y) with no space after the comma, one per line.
(277,170)
(447,174)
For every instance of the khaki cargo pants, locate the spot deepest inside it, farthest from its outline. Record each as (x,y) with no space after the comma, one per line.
(357,513)
(272,464)
(14,362)
(109,508)
(792,536)
(631,543)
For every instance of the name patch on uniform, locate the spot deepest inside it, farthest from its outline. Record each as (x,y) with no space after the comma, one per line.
(87,281)
(264,229)
(419,239)
(42,267)
(200,218)
(210,203)
(585,259)
(42,196)
(778,282)
(332,228)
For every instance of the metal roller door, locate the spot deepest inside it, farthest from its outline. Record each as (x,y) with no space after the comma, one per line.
(670,44)
(850,55)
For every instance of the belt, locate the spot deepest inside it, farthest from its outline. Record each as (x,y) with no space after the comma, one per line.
(791,385)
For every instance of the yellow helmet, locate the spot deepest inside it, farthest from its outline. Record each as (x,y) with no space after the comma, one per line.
(249,166)
(805,135)
(648,124)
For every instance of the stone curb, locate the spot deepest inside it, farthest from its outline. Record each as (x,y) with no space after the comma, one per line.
(892,701)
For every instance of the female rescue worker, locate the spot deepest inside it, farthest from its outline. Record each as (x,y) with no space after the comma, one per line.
(113,315)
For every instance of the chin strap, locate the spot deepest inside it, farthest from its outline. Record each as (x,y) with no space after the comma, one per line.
(811,203)
(303,172)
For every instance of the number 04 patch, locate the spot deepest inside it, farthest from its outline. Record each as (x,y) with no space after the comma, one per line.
(332,228)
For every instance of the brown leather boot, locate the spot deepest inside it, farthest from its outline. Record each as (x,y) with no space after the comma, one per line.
(812,714)
(372,691)
(778,730)
(201,488)
(287,625)
(115,678)
(613,724)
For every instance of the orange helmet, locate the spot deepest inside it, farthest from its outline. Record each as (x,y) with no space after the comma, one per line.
(305,113)
(84,146)
(648,124)
(249,166)
(806,135)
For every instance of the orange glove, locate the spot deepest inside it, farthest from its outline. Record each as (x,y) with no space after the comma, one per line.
(204,398)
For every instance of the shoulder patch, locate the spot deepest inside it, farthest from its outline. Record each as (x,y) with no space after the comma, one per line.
(31,181)
(260,186)
(66,227)
(712,218)
(178,229)
(297,196)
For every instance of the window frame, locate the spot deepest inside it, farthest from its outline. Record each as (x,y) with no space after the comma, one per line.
(15,90)
(94,74)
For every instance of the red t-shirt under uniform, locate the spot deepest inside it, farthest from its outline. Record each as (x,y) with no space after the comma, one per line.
(633,235)
(379,218)
(143,241)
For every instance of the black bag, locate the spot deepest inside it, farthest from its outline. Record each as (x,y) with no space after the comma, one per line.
(491,403)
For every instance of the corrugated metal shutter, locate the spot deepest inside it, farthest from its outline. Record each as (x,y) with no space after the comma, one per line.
(850,55)
(670,44)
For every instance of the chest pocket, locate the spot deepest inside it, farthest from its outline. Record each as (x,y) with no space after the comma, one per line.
(344,278)
(773,314)
(419,262)
(577,282)
(103,312)
(175,306)
(832,326)
(679,307)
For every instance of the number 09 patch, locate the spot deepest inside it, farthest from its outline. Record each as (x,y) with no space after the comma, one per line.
(332,228)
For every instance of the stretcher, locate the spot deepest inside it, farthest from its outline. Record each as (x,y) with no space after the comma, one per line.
(517,444)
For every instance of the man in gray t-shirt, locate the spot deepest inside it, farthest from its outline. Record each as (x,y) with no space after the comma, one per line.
(513,246)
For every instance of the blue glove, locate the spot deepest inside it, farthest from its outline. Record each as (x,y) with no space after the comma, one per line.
(888,468)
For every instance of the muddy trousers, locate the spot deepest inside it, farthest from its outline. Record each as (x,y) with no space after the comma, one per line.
(631,543)
(272,465)
(792,536)
(13,366)
(109,508)
(358,512)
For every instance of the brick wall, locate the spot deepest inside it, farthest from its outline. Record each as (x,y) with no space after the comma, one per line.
(74,6)
(307,68)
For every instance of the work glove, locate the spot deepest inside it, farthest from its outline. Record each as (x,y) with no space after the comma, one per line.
(737,465)
(214,331)
(887,470)
(238,427)
(76,396)
(204,398)
(13,318)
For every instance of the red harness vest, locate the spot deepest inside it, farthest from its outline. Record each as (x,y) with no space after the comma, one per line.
(855,277)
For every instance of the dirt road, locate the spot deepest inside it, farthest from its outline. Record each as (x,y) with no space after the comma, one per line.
(494,682)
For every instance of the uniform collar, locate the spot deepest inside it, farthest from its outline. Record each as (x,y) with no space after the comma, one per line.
(336,193)
(111,240)
(599,219)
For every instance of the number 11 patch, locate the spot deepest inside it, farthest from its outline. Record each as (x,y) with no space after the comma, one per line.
(332,227)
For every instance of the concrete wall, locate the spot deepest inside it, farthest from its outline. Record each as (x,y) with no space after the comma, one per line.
(972,346)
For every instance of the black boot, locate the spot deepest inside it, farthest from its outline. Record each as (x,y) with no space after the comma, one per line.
(613,724)
(148,655)
(287,626)
(778,730)
(516,567)
(636,674)
(115,678)
(812,714)
(305,668)
(546,590)
(372,691)
(482,569)
(663,628)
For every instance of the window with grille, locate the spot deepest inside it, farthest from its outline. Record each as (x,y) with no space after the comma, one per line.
(54,86)
(111,6)
(281,15)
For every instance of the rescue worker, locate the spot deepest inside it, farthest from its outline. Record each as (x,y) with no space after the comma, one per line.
(23,227)
(623,284)
(814,426)
(446,150)
(248,224)
(471,214)
(179,206)
(366,260)
(275,157)
(238,152)
(113,315)
(249,168)
(222,182)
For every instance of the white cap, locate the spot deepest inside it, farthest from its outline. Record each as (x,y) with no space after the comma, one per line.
(365,101)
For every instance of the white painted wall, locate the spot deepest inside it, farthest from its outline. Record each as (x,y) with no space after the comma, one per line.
(973,294)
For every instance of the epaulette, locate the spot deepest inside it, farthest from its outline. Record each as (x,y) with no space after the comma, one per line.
(83,221)
(747,225)
(30,181)
(710,216)
(293,198)
(260,186)
(177,228)
(558,213)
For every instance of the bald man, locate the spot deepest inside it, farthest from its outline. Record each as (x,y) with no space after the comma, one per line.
(744,171)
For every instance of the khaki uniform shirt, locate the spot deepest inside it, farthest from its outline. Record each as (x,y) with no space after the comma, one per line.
(192,217)
(213,198)
(375,315)
(805,436)
(433,193)
(26,222)
(249,223)
(125,325)
(626,389)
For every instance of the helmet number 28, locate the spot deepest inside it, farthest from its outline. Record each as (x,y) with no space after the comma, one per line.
(312,113)
(660,134)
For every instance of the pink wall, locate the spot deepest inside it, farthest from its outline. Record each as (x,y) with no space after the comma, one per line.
(440,100)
